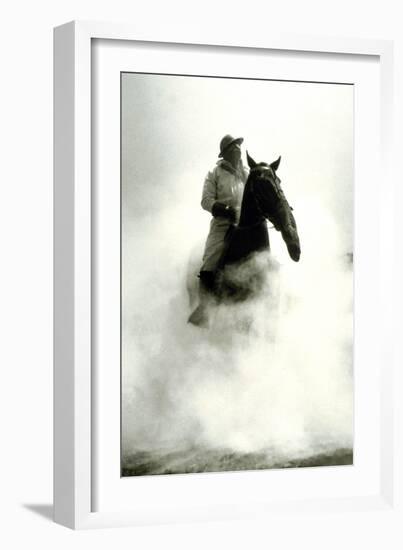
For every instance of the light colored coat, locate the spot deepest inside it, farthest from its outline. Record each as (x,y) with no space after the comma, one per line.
(222,184)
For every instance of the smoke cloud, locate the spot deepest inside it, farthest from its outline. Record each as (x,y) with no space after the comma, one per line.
(274,372)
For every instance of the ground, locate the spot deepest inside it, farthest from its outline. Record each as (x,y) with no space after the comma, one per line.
(198,460)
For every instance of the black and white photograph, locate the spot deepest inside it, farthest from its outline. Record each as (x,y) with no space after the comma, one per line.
(236,274)
(202,299)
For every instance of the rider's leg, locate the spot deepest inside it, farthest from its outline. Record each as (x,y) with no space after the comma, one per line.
(199,317)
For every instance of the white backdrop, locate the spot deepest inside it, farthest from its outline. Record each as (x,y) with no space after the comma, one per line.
(26,277)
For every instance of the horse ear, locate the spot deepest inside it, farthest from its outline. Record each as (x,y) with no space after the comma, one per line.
(251,162)
(276,164)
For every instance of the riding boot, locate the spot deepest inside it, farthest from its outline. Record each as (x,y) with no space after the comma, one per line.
(207,283)
(199,317)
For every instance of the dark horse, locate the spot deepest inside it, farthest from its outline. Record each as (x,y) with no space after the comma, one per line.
(263,199)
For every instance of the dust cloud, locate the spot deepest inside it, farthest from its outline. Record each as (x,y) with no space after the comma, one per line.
(272,373)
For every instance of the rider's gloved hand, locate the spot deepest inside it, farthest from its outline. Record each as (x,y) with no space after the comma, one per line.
(224,210)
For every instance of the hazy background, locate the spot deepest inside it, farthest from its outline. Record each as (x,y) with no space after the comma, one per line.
(287,385)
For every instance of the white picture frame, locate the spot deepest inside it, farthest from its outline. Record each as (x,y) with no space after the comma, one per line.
(75,417)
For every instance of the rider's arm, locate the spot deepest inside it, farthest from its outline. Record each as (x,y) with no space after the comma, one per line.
(209,192)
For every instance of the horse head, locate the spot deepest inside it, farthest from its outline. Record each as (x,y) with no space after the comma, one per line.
(265,195)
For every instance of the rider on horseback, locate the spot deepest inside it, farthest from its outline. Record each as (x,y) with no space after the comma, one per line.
(234,196)
(222,196)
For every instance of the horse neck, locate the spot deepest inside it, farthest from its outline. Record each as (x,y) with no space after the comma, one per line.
(250,214)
